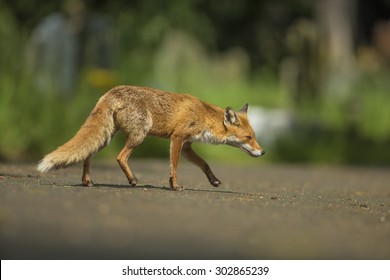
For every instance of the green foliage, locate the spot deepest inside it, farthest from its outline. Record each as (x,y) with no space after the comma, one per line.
(374,119)
(354,129)
(225,52)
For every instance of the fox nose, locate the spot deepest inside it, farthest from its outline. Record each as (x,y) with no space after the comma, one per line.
(257,153)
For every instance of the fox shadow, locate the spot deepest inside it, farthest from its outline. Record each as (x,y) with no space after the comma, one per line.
(159,188)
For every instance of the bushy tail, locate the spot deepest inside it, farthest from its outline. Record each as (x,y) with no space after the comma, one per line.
(93,135)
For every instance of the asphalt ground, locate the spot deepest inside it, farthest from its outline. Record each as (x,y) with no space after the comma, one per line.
(259,212)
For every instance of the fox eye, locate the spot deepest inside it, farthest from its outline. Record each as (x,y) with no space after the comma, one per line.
(248,137)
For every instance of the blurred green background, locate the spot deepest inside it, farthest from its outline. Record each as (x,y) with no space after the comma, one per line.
(315,73)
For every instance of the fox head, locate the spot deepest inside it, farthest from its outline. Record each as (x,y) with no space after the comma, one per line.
(239,132)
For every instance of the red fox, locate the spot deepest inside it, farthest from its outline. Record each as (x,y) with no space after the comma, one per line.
(141,111)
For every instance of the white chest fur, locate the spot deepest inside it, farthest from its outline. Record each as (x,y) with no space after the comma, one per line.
(206,136)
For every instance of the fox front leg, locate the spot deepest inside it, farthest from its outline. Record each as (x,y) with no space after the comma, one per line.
(193,157)
(176,146)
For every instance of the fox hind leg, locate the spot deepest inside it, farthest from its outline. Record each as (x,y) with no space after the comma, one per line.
(86,178)
(124,155)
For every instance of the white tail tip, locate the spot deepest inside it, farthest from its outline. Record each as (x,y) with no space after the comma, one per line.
(45,165)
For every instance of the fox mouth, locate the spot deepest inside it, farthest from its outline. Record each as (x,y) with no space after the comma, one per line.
(249,152)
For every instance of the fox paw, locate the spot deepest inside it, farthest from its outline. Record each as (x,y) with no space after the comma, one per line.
(177,187)
(88,183)
(133,182)
(215,182)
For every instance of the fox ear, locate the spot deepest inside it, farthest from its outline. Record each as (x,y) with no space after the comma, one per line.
(244,109)
(230,117)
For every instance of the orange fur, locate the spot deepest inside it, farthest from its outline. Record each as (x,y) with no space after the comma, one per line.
(140,111)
